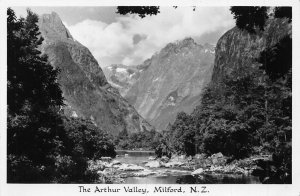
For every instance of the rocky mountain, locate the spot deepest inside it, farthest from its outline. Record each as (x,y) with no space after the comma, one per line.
(169,82)
(237,50)
(123,77)
(85,89)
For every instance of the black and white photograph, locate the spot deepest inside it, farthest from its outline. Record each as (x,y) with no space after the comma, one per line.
(156,95)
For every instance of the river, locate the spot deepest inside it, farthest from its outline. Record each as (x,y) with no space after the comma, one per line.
(177,175)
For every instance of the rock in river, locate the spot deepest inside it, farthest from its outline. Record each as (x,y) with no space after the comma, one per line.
(151,158)
(197,171)
(130,167)
(153,164)
(173,164)
(144,173)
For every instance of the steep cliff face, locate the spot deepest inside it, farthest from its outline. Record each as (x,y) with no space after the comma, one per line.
(237,51)
(85,88)
(170,81)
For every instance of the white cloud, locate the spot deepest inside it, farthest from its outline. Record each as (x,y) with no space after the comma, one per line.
(113,43)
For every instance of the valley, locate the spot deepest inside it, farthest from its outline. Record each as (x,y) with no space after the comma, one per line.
(171,81)
(191,113)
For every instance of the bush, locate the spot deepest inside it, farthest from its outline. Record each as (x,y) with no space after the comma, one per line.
(143,139)
(86,139)
(283,12)
(278,170)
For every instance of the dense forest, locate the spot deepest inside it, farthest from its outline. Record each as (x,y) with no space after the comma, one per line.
(43,145)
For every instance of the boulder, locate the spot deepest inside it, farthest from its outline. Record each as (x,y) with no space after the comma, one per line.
(214,161)
(188,167)
(151,158)
(153,164)
(125,175)
(171,172)
(198,171)
(217,155)
(164,159)
(117,166)
(115,162)
(199,156)
(106,158)
(130,167)
(107,171)
(144,173)
(218,159)
(174,164)
(239,170)
(176,172)
(217,169)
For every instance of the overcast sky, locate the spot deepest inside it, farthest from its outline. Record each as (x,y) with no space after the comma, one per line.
(130,40)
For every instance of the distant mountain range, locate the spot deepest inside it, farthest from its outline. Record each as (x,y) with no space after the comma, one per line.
(85,89)
(171,81)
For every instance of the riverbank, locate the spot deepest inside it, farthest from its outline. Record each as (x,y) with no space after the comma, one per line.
(199,167)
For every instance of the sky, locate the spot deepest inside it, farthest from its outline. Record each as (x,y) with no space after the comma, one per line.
(129,39)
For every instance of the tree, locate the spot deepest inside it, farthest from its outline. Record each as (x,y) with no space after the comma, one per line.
(34,99)
(163,147)
(183,134)
(81,141)
(31,79)
(142,11)
(277,134)
(283,12)
(250,17)
(278,170)
(276,61)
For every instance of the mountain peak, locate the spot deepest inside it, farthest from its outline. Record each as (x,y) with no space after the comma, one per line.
(53,26)
(187,40)
(52,18)
(83,84)
(179,44)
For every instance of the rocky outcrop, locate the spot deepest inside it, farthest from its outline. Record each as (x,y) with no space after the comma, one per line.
(237,50)
(169,82)
(85,89)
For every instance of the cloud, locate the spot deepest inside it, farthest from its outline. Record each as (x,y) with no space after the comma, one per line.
(131,40)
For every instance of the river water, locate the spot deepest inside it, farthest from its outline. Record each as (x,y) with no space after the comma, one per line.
(180,177)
